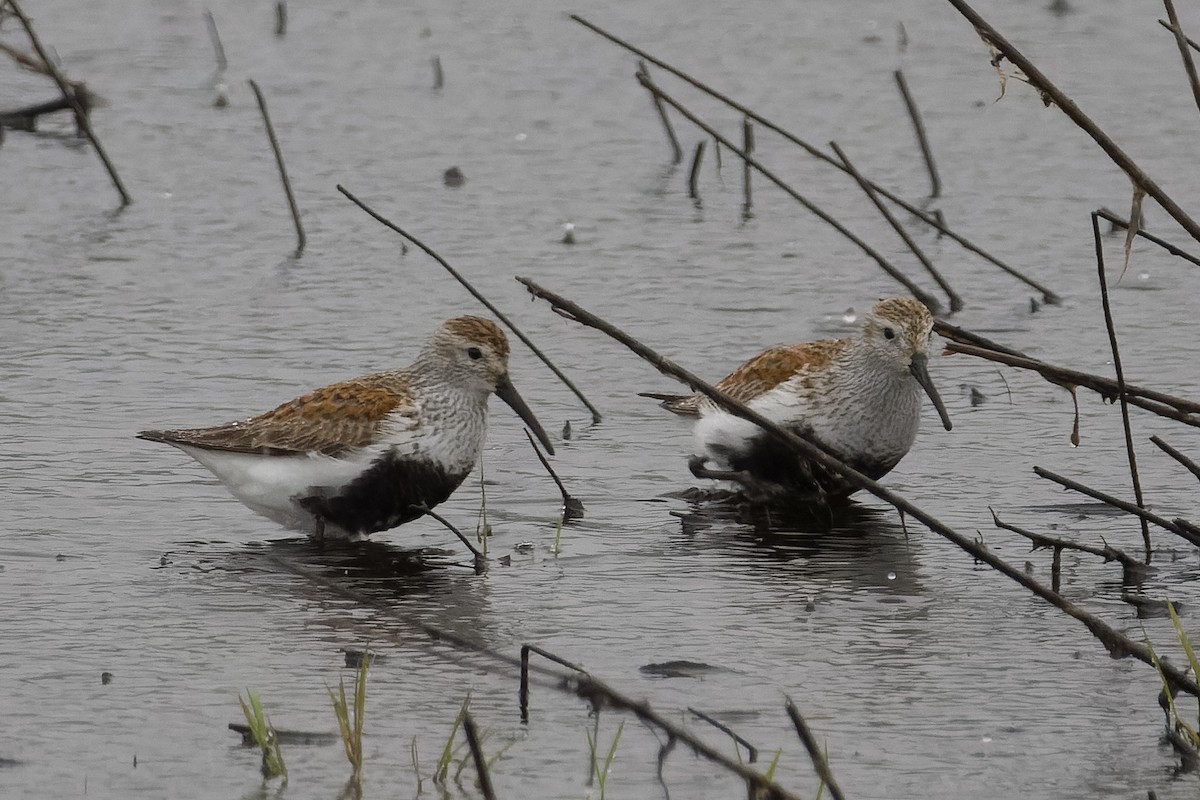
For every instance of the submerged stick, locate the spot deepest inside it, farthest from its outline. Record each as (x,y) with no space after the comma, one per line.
(71,91)
(820,763)
(934,220)
(1117,644)
(1192,466)
(676,150)
(1121,395)
(1040,82)
(572,507)
(916,291)
(1189,65)
(281,17)
(287,184)
(956,302)
(922,140)
(481,767)
(523,690)
(694,172)
(751,750)
(474,293)
(1130,508)
(1163,243)
(439,77)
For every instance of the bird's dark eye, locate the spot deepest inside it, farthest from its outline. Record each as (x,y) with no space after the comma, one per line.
(475,353)
(888,333)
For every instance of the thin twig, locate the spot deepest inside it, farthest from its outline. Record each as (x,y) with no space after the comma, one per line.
(917,292)
(481,767)
(71,92)
(1176,408)
(956,302)
(475,293)
(932,219)
(676,150)
(748,148)
(572,507)
(1130,508)
(694,172)
(751,750)
(287,184)
(281,17)
(1132,568)
(1170,248)
(820,763)
(480,558)
(1191,42)
(1117,644)
(1116,353)
(922,140)
(1040,82)
(1191,465)
(1189,65)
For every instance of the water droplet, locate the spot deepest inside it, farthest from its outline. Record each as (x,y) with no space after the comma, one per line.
(891,576)
(520,137)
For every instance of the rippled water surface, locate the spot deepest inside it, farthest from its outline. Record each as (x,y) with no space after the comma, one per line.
(924,674)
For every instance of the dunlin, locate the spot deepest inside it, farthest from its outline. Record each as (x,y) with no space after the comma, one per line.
(859,397)
(364,455)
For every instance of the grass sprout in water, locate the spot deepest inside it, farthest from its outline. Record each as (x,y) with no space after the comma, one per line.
(264,735)
(1182,736)
(350,719)
(601,773)
(443,765)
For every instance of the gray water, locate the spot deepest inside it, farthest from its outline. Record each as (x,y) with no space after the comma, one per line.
(923,674)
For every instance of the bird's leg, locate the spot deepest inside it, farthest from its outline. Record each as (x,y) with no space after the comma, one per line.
(319,530)
(751,486)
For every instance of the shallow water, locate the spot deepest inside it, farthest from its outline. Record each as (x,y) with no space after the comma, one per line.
(924,674)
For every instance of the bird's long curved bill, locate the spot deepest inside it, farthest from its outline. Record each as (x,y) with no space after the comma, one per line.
(920,371)
(506,392)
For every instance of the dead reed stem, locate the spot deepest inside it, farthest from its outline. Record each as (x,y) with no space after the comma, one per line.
(751,750)
(956,302)
(475,293)
(1170,248)
(1191,465)
(281,18)
(1048,90)
(1108,499)
(694,172)
(214,36)
(1189,65)
(748,148)
(1117,644)
(932,219)
(922,139)
(676,150)
(820,763)
(1116,353)
(283,175)
(917,292)
(523,689)
(70,93)
(481,767)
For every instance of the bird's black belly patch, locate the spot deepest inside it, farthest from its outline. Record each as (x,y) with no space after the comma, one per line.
(384,495)
(771,461)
